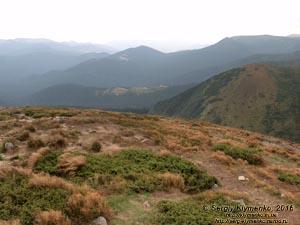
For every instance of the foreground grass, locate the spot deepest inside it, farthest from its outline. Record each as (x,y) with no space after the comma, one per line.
(44,200)
(18,200)
(190,211)
(129,209)
(132,171)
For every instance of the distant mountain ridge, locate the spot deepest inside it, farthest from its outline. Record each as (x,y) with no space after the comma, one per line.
(136,67)
(144,66)
(21,46)
(261,98)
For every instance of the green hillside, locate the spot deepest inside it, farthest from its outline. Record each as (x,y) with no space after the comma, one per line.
(261,98)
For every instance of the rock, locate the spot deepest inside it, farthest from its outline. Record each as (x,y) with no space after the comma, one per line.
(146,204)
(59,119)
(8,146)
(215,186)
(99,221)
(242,178)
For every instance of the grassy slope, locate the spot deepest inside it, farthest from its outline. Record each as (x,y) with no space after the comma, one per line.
(194,144)
(260,98)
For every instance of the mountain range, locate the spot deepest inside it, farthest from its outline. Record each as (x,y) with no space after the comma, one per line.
(35,73)
(146,66)
(257,97)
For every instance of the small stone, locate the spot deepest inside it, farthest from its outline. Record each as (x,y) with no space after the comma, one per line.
(242,178)
(216,186)
(8,146)
(146,204)
(99,221)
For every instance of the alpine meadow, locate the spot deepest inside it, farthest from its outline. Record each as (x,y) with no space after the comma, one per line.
(149,112)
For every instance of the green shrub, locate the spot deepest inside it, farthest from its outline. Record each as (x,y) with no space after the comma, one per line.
(30,128)
(47,112)
(4,116)
(289,178)
(96,146)
(139,168)
(190,211)
(35,144)
(47,163)
(251,155)
(18,200)
(23,136)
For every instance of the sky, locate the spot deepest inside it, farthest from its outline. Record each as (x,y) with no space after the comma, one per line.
(190,22)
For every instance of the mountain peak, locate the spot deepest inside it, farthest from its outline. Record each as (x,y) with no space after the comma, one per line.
(294,35)
(140,52)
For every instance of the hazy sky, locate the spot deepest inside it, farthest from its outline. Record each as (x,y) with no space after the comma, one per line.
(190,21)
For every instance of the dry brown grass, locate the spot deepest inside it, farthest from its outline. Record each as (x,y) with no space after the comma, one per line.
(10,222)
(164,153)
(280,169)
(45,180)
(57,141)
(109,185)
(234,194)
(6,170)
(258,182)
(265,173)
(34,157)
(51,218)
(170,180)
(68,163)
(232,142)
(294,197)
(223,158)
(89,206)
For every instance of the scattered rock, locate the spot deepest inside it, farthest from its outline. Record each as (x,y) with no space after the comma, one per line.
(243,178)
(8,146)
(215,186)
(99,221)
(59,119)
(146,204)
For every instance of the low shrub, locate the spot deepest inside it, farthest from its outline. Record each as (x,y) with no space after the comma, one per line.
(30,128)
(190,211)
(35,144)
(19,201)
(252,156)
(47,162)
(139,168)
(289,178)
(42,199)
(23,136)
(96,147)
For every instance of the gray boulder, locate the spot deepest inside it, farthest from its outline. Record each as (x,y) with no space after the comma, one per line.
(8,146)
(99,221)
